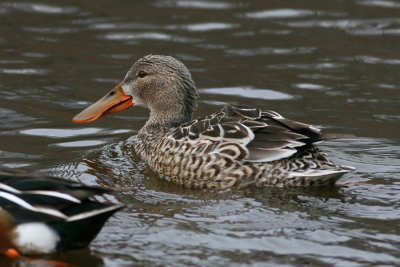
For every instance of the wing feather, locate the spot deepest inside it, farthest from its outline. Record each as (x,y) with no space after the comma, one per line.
(267,155)
(249,134)
(30,197)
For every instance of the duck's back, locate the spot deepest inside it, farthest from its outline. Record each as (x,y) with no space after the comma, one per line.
(239,146)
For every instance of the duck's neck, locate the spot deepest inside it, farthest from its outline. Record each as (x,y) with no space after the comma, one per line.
(167,118)
(178,108)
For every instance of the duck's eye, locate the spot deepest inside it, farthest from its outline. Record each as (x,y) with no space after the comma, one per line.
(142,74)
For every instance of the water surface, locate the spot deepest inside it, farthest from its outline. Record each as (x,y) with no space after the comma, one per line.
(333,64)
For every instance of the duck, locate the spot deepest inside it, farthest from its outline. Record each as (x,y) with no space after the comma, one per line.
(237,146)
(44,214)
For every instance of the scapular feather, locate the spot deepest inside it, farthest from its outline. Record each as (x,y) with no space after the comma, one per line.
(259,132)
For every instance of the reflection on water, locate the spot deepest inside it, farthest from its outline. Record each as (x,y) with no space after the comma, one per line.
(38,8)
(247,92)
(334,65)
(48,132)
(355,27)
(280,13)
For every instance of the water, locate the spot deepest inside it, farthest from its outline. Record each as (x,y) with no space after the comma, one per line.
(334,64)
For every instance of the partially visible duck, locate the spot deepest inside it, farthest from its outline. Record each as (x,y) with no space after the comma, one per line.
(40,214)
(237,146)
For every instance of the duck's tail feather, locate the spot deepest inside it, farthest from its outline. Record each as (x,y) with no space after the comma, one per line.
(318,177)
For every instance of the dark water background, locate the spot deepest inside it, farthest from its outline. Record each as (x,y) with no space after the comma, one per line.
(335,64)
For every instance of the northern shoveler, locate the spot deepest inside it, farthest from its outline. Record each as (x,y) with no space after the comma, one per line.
(40,214)
(237,146)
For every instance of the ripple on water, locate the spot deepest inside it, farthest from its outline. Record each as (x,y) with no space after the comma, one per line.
(65,133)
(85,143)
(387,86)
(203,27)
(308,66)
(162,237)
(197,4)
(13,119)
(50,30)
(280,13)
(386,118)
(353,26)
(24,71)
(211,46)
(5,61)
(123,26)
(158,36)
(60,133)
(248,92)
(40,8)
(310,86)
(319,76)
(379,3)
(35,55)
(118,56)
(375,60)
(16,155)
(263,31)
(10,159)
(271,51)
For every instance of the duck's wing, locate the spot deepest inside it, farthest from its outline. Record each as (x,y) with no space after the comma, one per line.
(32,185)
(49,197)
(249,134)
(65,206)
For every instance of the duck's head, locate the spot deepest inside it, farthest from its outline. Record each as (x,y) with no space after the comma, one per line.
(160,83)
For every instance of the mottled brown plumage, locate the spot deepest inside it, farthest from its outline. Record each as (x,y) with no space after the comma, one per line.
(237,146)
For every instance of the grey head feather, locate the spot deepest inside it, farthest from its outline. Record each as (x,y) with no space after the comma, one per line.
(170,94)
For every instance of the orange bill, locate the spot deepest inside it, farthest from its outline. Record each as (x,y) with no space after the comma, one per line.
(116,100)
(12,253)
